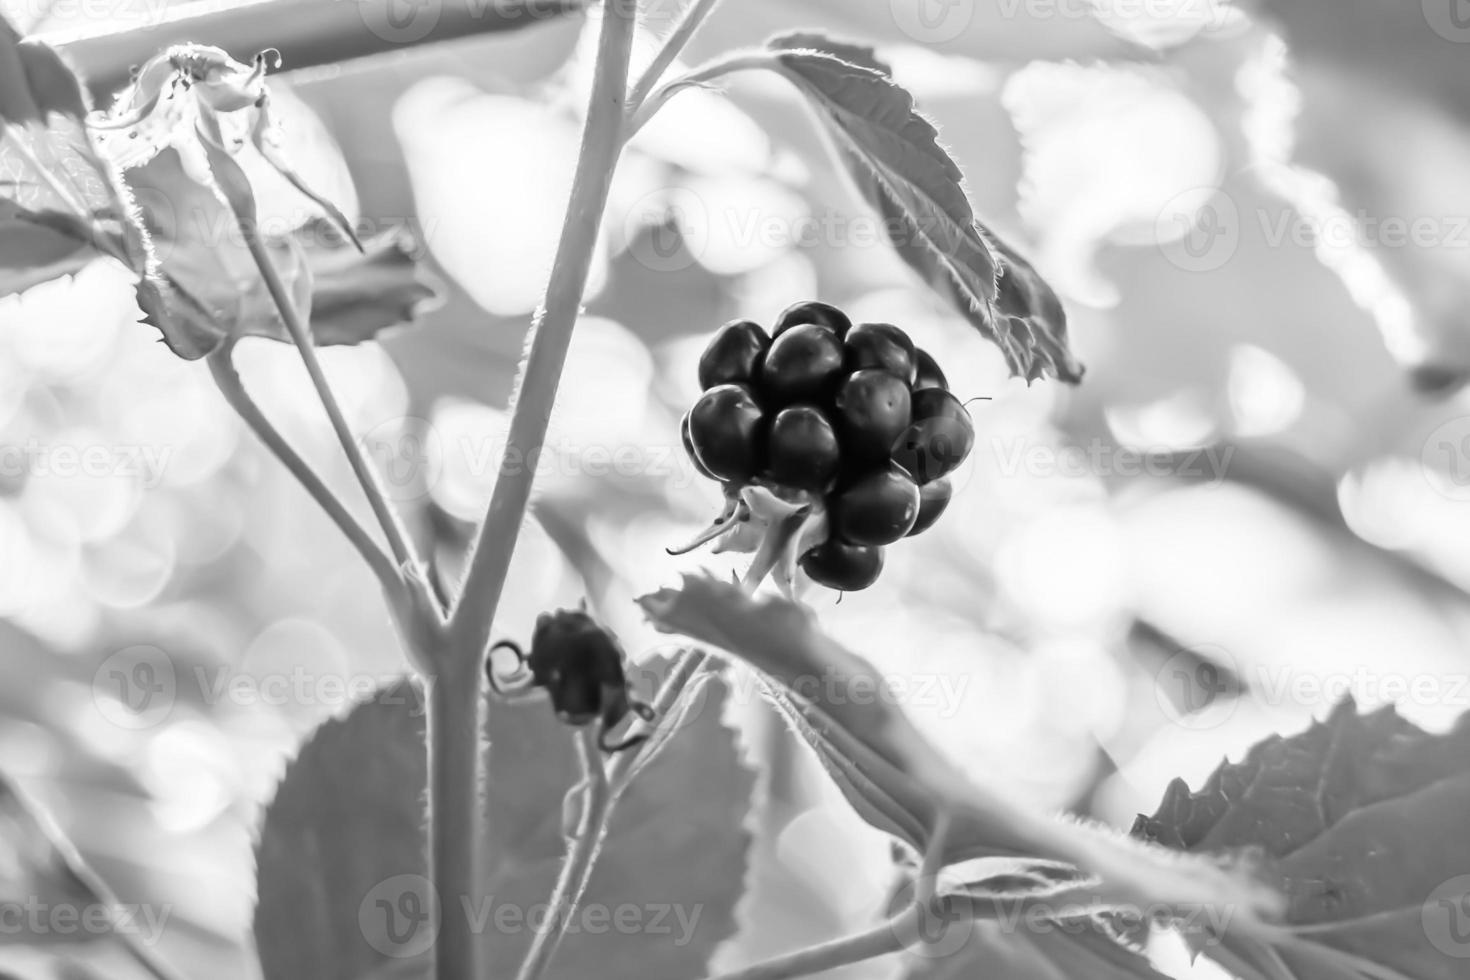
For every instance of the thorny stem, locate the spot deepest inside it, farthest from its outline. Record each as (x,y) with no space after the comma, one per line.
(596,807)
(678,37)
(227,380)
(393,529)
(601,146)
(454,788)
(890,937)
(602,786)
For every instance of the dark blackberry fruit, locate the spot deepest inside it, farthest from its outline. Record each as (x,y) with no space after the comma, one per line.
(801,449)
(689,449)
(872,411)
(734,354)
(812,312)
(725,430)
(878,509)
(882,346)
(939,438)
(934,498)
(845,567)
(804,364)
(927,372)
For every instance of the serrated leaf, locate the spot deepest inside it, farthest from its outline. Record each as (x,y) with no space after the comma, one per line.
(39,868)
(675,847)
(893,154)
(60,205)
(348,815)
(899,781)
(1361,820)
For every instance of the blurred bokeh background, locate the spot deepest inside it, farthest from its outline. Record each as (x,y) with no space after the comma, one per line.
(1257,501)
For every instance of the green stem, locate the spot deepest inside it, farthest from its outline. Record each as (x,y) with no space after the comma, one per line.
(456,817)
(489,562)
(227,380)
(571,883)
(604,786)
(393,530)
(890,937)
(678,38)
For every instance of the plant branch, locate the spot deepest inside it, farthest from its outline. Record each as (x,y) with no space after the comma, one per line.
(890,937)
(455,816)
(571,883)
(227,380)
(653,101)
(393,530)
(677,39)
(489,562)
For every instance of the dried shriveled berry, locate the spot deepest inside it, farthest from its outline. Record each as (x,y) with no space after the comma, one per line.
(580,664)
(872,411)
(934,498)
(927,373)
(882,346)
(841,566)
(802,451)
(734,354)
(939,438)
(811,311)
(878,509)
(804,364)
(725,429)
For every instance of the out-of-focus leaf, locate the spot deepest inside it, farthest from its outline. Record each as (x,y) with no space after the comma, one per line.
(899,781)
(662,895)
(40,868)
(203,255)
(893,155)
(59,203)
(344,831)
(1361,820)
(1376,78)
